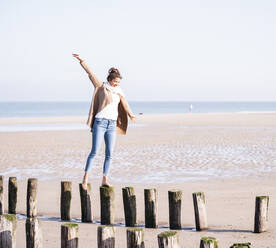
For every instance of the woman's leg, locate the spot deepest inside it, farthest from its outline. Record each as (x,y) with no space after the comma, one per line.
(97,138)
(109,138)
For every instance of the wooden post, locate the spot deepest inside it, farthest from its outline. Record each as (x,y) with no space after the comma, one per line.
(33,233)
(1,195)
(241,245)
(86,215)
(7,231)
(175,208)
(106,237)
(135,238)
(12,195)
(107,205)
(208,242)
(129,200)
(31,198)
(168,239)
(261,214)
(200,211)
(150,196)
(65,200)
(69,236)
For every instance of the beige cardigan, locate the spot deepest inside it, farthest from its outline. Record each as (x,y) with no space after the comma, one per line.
(101,97)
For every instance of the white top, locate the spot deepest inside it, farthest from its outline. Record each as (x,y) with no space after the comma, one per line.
(110,111)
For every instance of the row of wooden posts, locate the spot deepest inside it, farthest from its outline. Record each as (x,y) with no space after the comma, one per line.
(105,236)
(129,200)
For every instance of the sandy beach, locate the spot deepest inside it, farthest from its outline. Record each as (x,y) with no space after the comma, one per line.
(229,156)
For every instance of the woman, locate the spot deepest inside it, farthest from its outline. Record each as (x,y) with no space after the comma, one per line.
(108,115)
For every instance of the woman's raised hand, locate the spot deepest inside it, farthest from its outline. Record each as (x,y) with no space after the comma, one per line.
(77,57)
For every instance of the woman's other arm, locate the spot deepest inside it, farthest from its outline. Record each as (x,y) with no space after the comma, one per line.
(95,81)
(127,108)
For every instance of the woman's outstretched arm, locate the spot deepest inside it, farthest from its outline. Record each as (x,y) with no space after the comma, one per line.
(95,81)
(127,108)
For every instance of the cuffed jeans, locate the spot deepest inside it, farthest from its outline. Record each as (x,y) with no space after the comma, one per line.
(102,129)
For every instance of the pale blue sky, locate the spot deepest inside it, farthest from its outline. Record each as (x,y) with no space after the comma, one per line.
(165,50)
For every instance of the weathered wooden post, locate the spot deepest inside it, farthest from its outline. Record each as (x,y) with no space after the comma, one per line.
(69,236)
(150,196)
(106,237)
(1,195)
(7,231)
(261,214)
(12,195)
(107,205)
(31,198)
(241,245)
(208,242)
(65,200)
(175,208)
(168,239)
(135,238)
(86,215)
(200,211)
(129,200)
(33,233)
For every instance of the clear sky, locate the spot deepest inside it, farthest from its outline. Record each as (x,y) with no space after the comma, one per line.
(165,50)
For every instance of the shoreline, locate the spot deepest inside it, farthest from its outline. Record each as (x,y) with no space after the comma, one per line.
(82,118)
(145,121)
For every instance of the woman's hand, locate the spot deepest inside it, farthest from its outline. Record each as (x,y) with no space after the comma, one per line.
(77,57)
(132,117)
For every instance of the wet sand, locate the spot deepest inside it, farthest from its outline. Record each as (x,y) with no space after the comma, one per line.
(230,157)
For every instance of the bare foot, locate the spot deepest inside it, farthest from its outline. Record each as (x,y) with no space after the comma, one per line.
(84,181)
(105,183)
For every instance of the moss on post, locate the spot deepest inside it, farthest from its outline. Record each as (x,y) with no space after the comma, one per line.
(8,225)
(69,235)
(168,239)
(107,205)
(135,237)
(208,242)
(241,245)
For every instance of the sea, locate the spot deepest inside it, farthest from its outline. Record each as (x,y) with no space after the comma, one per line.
(58,109)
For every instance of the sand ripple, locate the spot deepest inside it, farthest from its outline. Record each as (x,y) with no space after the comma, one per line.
(174,154)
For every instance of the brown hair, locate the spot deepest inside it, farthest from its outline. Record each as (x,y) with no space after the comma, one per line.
(113,73)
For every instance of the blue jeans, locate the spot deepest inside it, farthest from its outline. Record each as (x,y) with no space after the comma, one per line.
(102,129)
